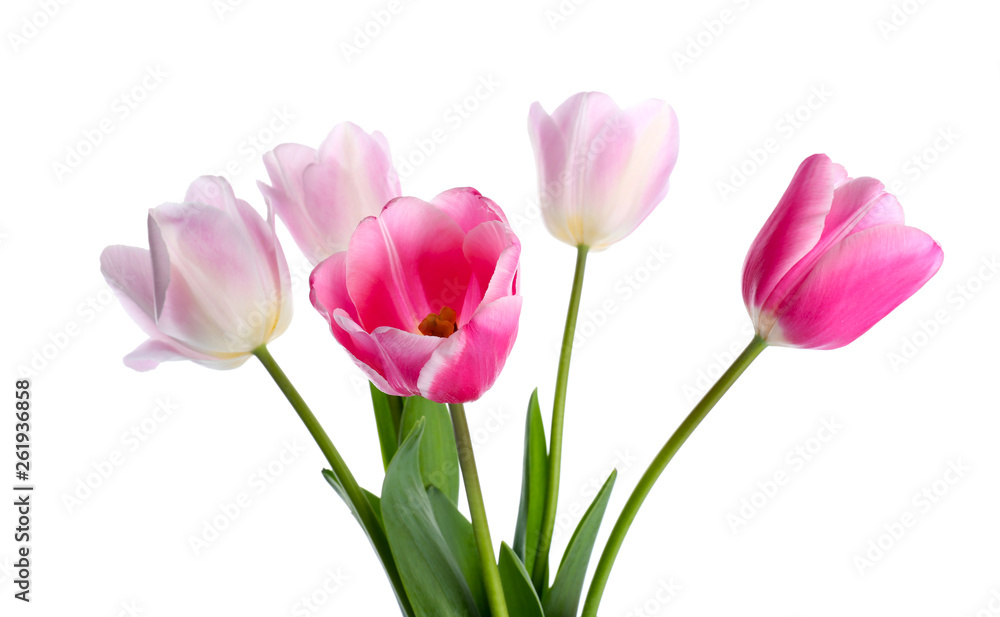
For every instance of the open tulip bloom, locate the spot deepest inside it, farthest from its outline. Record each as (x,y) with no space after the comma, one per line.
(423,296)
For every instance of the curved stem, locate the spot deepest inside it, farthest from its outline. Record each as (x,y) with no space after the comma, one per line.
(480,527)
(655,468)
(339,467)
(558,411)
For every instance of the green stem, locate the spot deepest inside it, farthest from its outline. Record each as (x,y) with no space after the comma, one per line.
(480,527)
(655,468)
(339,467)
(558,412)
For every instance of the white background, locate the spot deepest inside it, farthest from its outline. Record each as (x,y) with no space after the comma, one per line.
(227,77)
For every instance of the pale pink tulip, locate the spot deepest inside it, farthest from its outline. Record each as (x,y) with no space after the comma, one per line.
(322,195)
(213,285)
(425,298)
(833,259)
(601,170)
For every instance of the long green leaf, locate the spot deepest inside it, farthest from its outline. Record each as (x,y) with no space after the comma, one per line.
(338,487)
(534,483)
(563,599)
(438,452)
(430,573)
(373,499)
(385,424)
(518,590)
(461,540)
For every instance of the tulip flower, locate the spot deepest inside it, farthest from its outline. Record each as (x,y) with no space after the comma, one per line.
(322,195)
(601,170)
(213,286)
(425,297)
(832,260)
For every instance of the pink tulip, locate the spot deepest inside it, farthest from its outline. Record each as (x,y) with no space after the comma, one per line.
(425,297)
(321,196)
(833,259)
(214,285)
(601,170)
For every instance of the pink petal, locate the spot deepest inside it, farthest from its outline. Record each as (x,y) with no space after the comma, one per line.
(328,287)
(468,207)
(584,115)
(854,285)
(212,191)
(367,355)
(150,354)
(404,354)
(128,270)
(628,171)
(469,361)
(483,248)
(792,230)
(364,157)
(405,262)
(285,166)
(328,293)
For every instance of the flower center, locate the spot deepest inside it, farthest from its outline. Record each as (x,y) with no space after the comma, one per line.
(442,325)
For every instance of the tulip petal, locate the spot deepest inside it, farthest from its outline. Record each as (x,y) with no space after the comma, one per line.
(328,293)
(468,207)
(286,165)
(856,283)
(483,247)
(128,270)
(584,115)
(469,361)
(404,354)
(792,230)
(366,354)
(405,262)
(213,191)
(150,354)
(328,287)
(551,158)
(628,171)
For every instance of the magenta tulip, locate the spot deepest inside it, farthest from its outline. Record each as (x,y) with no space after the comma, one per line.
(425,298)
(322,195)
(833,259)
(601,170)
(212,287)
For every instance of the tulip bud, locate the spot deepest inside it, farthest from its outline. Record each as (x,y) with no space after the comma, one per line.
(213,286)
(322,195)
(833,259)
(601,170)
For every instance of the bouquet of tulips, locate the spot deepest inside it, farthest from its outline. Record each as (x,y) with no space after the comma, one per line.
(424,297)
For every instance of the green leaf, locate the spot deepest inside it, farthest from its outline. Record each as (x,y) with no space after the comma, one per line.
(373,500)
(563,599)
(534,483)
(431,574)
(388,410)
(522,600)
(371,497)
(461,540)
(438,452)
